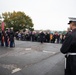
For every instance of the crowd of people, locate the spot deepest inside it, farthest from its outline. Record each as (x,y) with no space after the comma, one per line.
(40,36)
(7,38)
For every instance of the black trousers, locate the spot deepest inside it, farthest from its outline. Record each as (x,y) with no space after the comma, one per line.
(70,65)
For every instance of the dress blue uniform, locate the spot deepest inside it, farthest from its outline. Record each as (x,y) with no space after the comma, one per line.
(69,48)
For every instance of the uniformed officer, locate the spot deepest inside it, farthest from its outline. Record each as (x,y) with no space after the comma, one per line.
(69,48)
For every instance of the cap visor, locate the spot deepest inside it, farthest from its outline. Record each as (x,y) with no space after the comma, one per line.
(68,23)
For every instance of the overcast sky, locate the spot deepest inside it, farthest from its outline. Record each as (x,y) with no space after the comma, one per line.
(46,14)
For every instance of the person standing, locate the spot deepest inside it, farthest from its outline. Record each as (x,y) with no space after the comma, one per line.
(6,37)
(48,37)
(69,49)
(42,36)
(12,43)
(2,38)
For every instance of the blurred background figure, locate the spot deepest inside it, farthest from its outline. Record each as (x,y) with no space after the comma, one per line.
(12,42)
(42,36)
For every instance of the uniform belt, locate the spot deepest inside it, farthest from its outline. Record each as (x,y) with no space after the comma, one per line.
(70,54)
(67,56)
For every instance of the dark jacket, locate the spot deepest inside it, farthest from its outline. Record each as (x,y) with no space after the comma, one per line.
(42,35)
(11,36)
(69,44)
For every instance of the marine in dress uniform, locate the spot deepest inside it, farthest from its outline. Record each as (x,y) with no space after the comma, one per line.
(69,48)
